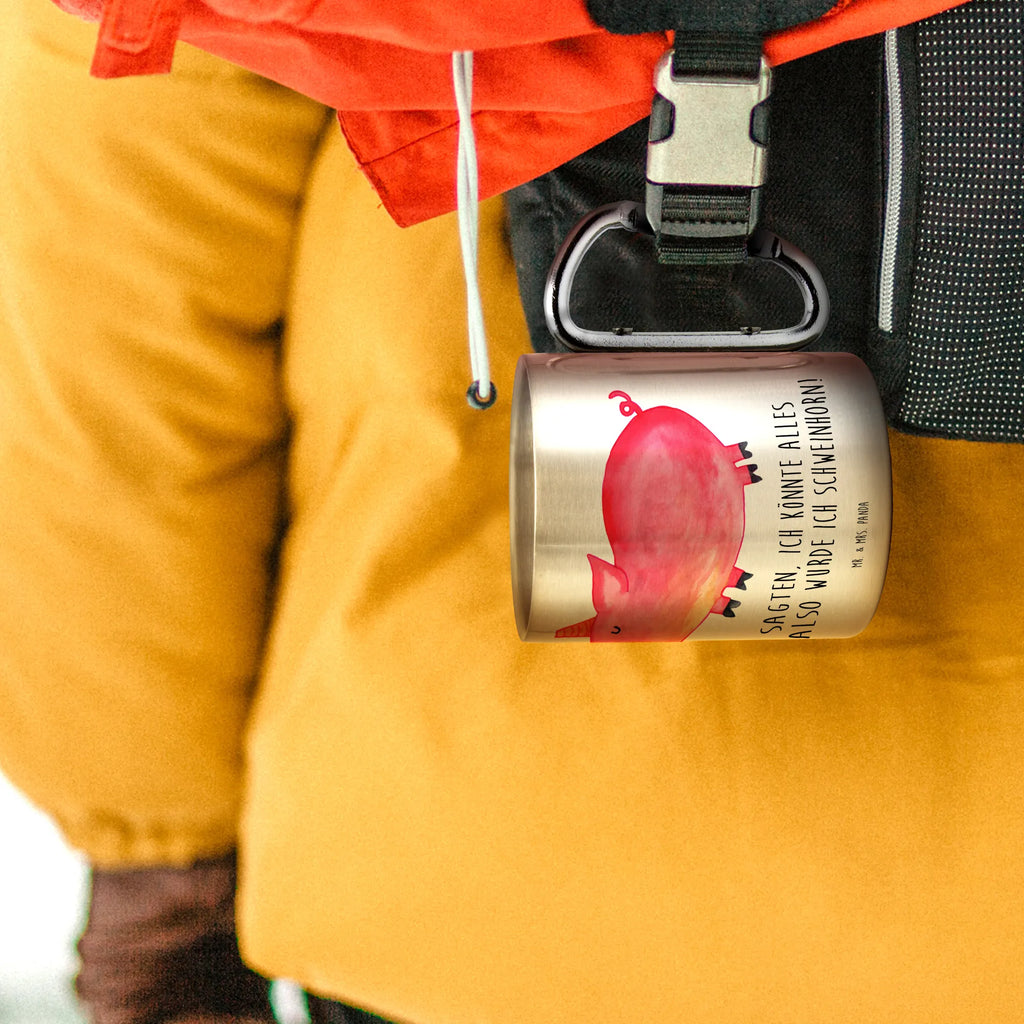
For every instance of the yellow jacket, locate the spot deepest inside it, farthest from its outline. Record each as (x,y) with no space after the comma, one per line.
(436,820)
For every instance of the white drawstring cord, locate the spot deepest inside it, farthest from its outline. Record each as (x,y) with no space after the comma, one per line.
(481,393)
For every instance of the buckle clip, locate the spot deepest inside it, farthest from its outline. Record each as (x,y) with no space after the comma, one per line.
(708,135)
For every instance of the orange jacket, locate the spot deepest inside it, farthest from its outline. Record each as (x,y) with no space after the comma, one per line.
(549,83)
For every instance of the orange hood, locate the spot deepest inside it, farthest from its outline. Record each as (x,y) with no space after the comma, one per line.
(549,83)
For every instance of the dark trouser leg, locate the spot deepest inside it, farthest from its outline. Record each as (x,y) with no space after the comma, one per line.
(327,1011)
(160,944)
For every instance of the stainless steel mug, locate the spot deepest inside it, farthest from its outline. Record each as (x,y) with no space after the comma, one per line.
(666,496)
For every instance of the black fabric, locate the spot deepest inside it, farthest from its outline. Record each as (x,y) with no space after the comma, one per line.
(822,194)
(948,356)
(757,16)
(687,214)
(961,330)
(327,1011)
(889,346)
(716,54)
(621,283)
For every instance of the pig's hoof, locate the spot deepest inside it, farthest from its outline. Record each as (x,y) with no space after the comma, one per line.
(738,579)
(754,478)
(729,611)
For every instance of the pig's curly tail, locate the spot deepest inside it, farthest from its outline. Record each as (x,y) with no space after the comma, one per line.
(627,407)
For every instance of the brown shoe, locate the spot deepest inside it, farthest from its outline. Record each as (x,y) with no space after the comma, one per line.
(159,945)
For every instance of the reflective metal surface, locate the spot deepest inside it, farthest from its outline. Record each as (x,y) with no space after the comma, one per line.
(666,496)
(711,142)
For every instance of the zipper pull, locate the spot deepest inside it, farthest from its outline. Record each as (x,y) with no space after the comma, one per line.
(136,37)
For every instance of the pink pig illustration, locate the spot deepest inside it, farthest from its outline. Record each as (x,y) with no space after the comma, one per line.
(673,502)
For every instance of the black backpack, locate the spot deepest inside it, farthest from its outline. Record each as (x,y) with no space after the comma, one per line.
(896,163)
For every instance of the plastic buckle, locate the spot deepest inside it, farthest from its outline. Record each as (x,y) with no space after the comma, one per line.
(630,217)
(716,138)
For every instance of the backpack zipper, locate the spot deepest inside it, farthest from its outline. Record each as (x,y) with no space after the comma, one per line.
(893,185)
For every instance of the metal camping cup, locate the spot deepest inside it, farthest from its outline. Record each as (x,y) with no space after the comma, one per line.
(705,495)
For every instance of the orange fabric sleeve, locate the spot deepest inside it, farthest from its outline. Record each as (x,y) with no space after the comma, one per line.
(300,40)
(548,83)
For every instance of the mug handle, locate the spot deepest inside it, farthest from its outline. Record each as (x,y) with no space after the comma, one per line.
(628,216)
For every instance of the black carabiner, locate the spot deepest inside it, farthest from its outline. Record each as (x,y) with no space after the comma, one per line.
(628,216)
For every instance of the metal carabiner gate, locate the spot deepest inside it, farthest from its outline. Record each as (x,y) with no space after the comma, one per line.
(629,216)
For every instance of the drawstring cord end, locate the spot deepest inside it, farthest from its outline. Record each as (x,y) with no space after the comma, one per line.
(480,395)
(478,398)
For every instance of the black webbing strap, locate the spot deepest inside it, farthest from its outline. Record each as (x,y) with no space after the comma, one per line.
(683,211)
(629,17)
(702,223)
(716,54)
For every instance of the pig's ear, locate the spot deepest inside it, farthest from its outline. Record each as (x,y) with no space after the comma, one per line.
(610,583)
